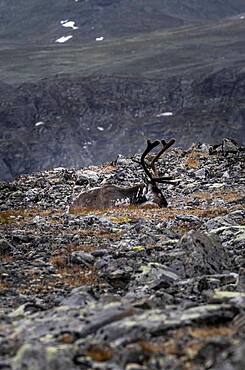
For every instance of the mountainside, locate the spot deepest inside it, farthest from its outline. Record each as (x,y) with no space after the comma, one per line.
(159,69)
(190,49)
(28,22)
(80,121)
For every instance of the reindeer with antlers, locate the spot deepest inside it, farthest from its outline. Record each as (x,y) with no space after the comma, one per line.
(147,193)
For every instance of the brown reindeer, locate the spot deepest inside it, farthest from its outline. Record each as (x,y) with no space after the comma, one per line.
(147,193)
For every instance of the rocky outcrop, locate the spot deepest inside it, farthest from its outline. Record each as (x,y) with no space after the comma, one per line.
(74,122)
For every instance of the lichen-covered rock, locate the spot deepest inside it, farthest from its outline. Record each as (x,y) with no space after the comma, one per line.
(35,356)
(202,255)
(153,276)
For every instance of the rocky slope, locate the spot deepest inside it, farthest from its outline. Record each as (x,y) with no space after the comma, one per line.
(125,288)
(73,122)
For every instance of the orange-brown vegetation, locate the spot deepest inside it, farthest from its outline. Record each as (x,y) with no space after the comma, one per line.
(11,215)
(194,340)
(7,258)
(66,338)
(66,277)
(211,331)
(74,276)
(226,195)
(108,168)
(4,285)
(99,353)
(193,159)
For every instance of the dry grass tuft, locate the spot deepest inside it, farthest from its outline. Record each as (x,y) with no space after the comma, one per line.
(193,159)
(74,276)
(99,353)
(185,342)
(66,338)
(134,213)
(11,215)
(108,168)
(3,286)
(7,258)
(211,331)
(59,261)
(226,195)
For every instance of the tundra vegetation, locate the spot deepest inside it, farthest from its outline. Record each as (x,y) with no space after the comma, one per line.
(126,287)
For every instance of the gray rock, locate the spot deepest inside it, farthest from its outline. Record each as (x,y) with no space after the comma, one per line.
(241,280)
(188,218)
(35,356)
(99,252)
(153,276)
(202,254)
(79,297)
(82,258)
(5,247)
(201,174)
(86,177)
(235,360)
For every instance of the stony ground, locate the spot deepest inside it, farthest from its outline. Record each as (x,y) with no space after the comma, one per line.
(125,288)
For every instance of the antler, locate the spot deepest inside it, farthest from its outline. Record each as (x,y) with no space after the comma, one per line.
(155,189)
(165,147)
(150,146)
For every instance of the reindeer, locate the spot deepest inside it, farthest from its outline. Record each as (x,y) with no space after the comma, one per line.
(144,194)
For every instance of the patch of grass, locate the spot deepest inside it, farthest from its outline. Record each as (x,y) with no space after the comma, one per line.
(99,353)
(7,258)
(11,215)
(134,213)
(226,195)
(193,159)
(6,218)
(65,277)
(211,331)
(74,276)
(121,219)
(59,261)
(185,342)
(4,285)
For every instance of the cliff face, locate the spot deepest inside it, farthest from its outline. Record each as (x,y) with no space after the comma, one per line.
(74,122)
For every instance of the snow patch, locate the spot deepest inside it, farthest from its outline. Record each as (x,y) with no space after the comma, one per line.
(101,38)
(40,123)
(242,17)
(69,24)
(165,114)
(100,128)
(63,39)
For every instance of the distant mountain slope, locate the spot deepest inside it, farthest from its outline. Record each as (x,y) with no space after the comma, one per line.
(184,58)
(28,22)
(73,122)
(190,49)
